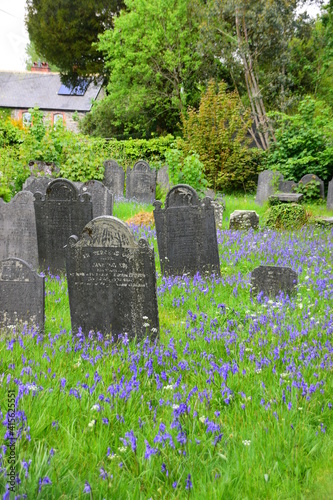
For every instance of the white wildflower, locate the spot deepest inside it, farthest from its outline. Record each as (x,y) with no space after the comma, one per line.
(144,317)
(202,419)
(167,387)
(95,407)
(145,325)
(92,423)
(175,407)
(246,442)
(122,448)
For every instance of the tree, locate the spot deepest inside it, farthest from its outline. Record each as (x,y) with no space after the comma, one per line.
(33,56)
(64,31)
(151,55)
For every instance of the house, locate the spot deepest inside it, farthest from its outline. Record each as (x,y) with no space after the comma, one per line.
(39,87)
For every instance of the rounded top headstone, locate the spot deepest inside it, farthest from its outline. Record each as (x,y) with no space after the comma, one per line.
(141,166)
(106,231)
(181,195)
(61,189)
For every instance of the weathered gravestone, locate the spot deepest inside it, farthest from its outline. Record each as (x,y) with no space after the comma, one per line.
(101,197)
(114,178)
(18,237)
(45,167)
(37,184)
(268,184)
(330,196)
(287,186)
(141,183)
(112,281)
(59,214)
(244,219)
(163,177)
(306,179)
(22,295)
(271,280)
(186,233)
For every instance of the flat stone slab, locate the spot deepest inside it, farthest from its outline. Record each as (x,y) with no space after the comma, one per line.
(324,221)
(244,219)
(287,197)
(22,295)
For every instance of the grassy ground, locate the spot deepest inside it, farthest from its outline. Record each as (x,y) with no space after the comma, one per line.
(234,401)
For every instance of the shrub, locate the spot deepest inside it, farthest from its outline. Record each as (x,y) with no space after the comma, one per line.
(186,170)
(286,216)
(217,132)
(310,192)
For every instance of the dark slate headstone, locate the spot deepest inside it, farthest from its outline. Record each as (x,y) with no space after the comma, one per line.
(163,177)
(244,219)
(271,280)
(268,184)
(37,184)
(18,236)
(45,167)
(330,196)
(312,177)
(186,233)
(22,295)
(114,178)
(59,214)
(101,197)
(112,281)
(287,186)
(141,183)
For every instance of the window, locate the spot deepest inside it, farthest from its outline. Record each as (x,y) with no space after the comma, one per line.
(79,89)
(58,118)
(26,118)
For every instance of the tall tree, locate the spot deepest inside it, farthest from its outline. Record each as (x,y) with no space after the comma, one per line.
(64,32)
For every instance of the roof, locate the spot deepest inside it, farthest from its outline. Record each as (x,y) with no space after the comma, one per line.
(29,89)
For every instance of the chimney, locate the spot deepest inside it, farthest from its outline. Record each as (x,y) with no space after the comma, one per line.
(40,67)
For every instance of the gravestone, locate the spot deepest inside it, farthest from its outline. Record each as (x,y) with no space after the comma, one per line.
(287,186)
(286,197)
(218,213)
(37,184)
(312,177)
(18,236)
(114,178)
(101,197)
(112,281)
(330,196)
(244,219)
(268,183)
(45,167)
(186,233)
(22,295)
(59,214)
(271,280)
(141,183)
(163,177)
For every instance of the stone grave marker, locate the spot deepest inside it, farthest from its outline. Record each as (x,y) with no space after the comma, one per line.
(34,184)
(141,183)
(244,219)
(114,178)
(312,177)
(271,280)
(268,184)
(163,177)
(59,214)
(186,233)
(287,186)
(330,196)
(18,236)
(101,197)
(46,167)
(112,281)
(22,295)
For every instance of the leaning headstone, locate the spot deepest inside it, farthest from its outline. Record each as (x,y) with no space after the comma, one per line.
(114,178)
(268,184)
(43,167)
(18,236)
(22,295)
(141,183)
(101,197)
(37,184)
(244,219)
(163,177)
(271,280)
(330,196)
(186,233)
(59,214)
(112,281)
(310,178)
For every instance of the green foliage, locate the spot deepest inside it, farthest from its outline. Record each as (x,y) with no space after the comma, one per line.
(286,216)
(310,191)
(186,170)
(304,142)
(217,131)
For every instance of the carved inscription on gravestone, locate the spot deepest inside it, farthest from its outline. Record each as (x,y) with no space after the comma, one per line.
(112,281)
(114,178)
(141,182)
(22,294)
(18,237)
(271,280)
(186,233)
(101,197)
(59,214)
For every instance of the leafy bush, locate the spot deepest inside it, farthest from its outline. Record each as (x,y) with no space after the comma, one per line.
(304,142)
(286,216)
(217,131)
(186,170)
(310,192)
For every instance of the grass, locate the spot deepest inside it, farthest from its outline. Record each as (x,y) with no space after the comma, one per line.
(234,401)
